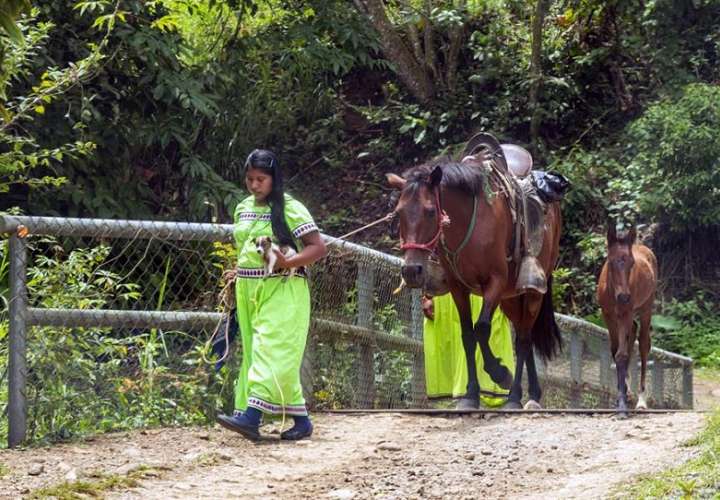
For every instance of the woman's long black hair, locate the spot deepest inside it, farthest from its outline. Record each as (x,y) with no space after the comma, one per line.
(266,161)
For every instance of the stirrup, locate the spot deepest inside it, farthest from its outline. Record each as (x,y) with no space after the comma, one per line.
(531,276)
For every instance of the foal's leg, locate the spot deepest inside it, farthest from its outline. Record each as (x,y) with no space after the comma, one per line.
(622,356)
(493,366)
(645,315)
(471,400)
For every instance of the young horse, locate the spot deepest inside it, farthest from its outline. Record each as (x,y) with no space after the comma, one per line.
(626,289)
(446,210)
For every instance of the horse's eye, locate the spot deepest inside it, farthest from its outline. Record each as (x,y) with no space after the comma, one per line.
(429,211)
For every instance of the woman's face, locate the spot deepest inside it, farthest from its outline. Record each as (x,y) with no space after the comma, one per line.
(259,183)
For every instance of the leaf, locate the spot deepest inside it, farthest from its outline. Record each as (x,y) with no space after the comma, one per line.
(39,109)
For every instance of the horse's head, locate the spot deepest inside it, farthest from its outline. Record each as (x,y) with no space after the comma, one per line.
(620,262)
(419,214)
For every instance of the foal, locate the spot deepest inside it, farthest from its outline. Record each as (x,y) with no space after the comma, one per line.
(626,289)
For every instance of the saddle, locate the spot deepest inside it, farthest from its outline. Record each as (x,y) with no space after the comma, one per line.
(511,166)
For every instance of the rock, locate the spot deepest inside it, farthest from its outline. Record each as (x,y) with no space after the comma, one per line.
(486,452)
(205,436)
(469,457)
(342,494)
(36,469)
(71,475)
(478,473)
(389,447)
(126,469)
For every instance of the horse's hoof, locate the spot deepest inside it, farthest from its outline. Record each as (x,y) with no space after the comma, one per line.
(501,376)
(532,405)
(512,405)
(642,402)
(468,404)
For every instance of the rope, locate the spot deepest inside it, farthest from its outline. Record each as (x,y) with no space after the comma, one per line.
(389,216)
(226,300)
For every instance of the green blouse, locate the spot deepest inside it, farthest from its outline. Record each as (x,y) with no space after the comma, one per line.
(253,220)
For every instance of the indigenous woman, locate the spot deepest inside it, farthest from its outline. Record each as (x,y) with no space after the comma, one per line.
(273,311)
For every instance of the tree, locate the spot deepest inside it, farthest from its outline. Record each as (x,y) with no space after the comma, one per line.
(425,55)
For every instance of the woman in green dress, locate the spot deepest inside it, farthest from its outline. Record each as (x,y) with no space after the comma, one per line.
(273,311)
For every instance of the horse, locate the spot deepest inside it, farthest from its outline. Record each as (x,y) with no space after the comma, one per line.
(460,214)
(626,289)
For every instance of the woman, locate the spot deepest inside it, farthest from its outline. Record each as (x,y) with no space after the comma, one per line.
(273,311)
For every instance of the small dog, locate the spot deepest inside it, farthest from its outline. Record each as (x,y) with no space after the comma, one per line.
(266,248)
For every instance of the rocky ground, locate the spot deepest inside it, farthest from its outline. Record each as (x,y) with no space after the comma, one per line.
(367,456)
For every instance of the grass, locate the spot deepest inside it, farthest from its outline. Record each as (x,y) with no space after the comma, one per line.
(4,470)
(699,477)
(75,490)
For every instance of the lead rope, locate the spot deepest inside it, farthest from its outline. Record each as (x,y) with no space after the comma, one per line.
(226,299)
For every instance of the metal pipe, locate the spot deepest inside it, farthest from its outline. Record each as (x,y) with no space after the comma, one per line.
(17,362)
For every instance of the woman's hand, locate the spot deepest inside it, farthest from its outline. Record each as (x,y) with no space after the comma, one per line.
(428,307)
(282,261)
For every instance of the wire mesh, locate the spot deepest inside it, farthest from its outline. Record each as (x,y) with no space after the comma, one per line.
(138,299)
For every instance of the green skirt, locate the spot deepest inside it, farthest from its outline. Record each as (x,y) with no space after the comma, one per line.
(274,318)
(445,367)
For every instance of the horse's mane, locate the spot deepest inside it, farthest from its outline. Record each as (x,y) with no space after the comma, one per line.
(470,178)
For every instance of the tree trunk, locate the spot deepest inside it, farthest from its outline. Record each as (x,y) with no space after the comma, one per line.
(410,71)
(536,74)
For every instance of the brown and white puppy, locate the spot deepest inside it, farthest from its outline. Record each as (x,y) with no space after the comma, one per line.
(266,248)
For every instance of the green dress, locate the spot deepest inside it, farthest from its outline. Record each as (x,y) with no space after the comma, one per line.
(445,367)
(273,314)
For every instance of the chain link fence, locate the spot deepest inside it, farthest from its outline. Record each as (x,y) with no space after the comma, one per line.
(140,299)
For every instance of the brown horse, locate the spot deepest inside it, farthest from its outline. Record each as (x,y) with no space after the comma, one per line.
(626,289)
(459,213)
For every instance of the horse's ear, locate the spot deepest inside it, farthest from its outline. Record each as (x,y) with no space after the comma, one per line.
(632,235)
(396,181)
(436,176)
(612,232)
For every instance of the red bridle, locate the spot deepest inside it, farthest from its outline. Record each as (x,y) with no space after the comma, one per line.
(430,245)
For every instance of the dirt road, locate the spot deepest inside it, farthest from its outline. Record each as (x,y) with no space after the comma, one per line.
(373,456)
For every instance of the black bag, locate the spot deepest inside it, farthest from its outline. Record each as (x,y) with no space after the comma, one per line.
(551,186)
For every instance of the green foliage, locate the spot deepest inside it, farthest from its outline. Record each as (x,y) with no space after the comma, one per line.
(677,140)
(84,380)
(691,328)
(22,155)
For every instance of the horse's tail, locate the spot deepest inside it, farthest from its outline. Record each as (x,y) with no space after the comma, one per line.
(545,333)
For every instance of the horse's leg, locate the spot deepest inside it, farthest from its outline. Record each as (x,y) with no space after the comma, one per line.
(534,390)
(522,347)
(471,400)
(622,356)
(645,315)
(493,366)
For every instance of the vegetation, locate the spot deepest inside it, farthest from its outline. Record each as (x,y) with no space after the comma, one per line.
(697,478)
(146,109)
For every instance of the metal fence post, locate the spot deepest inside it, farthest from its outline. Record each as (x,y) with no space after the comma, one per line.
(606,382)
(365,285)
(17,361)
(658,383)
(687,383)
(419,396)
(307,371)
(576,362)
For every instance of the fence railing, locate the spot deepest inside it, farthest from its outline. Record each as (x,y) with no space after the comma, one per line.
(365,348)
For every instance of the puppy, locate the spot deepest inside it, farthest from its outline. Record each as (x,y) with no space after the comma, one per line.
(266,248)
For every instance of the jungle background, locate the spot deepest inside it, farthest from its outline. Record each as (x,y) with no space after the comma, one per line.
(147,110)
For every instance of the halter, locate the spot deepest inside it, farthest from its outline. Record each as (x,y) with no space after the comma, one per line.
(442,219)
